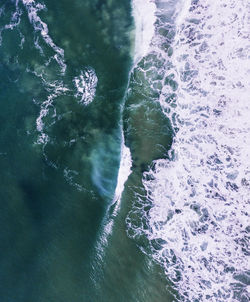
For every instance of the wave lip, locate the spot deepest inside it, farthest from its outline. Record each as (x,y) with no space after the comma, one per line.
(144,16)
(124,170)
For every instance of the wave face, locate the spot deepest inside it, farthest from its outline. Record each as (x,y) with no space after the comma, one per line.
(194,213)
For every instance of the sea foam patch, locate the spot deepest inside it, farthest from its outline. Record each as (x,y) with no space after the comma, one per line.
(144,16)
(196,212)
(85,85)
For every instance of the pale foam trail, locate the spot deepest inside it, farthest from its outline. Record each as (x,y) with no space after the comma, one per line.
(198,224)
(33,8)
(47,106)
(14,20)
(144,16)
(69,175)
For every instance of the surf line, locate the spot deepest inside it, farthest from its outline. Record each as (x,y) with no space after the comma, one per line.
(143,12)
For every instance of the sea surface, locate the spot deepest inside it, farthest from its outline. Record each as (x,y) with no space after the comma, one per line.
(124,151)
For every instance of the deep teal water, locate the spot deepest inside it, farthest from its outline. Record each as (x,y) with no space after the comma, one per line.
(55,192)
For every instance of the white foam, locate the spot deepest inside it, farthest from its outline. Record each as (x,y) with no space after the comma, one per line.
(182,11)
(200,201)
(86,84)
(57,89)
(144,16)
(14,20)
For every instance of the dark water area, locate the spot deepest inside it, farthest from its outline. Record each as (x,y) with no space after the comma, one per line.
(48,227)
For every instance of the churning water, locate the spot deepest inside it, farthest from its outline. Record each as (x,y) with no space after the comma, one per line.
(196,212)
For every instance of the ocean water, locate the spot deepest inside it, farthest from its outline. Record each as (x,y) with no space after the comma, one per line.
(124,150)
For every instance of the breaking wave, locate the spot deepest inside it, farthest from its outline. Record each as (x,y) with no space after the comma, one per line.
(195,211)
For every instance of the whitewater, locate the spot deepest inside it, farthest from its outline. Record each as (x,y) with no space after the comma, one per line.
(195,216)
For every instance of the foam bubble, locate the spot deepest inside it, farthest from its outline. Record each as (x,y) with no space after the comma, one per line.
(86,84)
